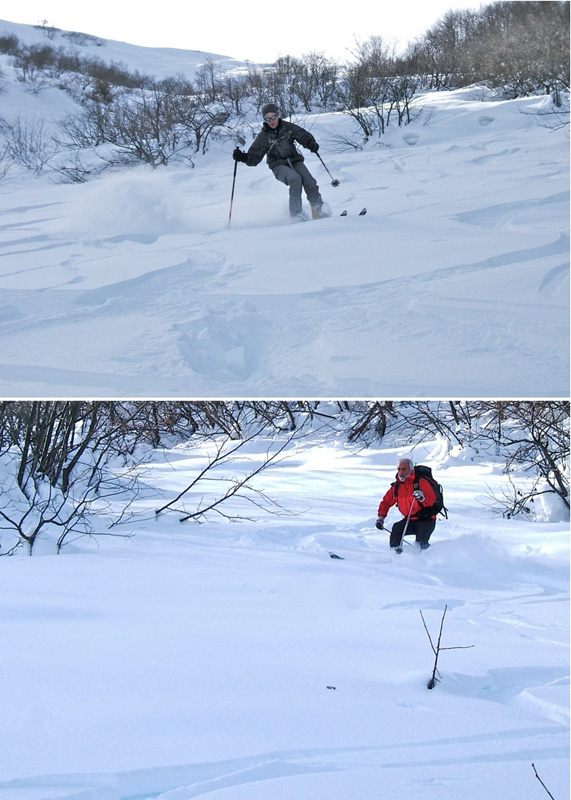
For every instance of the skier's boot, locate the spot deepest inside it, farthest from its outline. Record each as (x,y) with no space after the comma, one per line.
(318,212)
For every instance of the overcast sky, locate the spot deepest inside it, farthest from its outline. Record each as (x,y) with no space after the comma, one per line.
(257,31)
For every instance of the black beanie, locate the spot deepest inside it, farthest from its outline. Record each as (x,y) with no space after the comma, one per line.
(269,108)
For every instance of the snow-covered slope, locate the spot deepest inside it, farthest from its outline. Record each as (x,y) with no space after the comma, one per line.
(454,284)
(157,62)
(238,660)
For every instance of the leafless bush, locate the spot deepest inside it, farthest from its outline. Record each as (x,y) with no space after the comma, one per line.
(157,125)
(534,435)
(372,418)
(376,87)
(92,127)
(32,63)
(9,43)
(40,509)
(74,170)
(521,48)
(511,500)
(57,460)
(68,463)
(5,161)
(47,29)
(28,144)
(82,39)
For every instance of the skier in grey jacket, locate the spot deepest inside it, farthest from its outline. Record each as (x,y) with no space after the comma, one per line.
(277,141)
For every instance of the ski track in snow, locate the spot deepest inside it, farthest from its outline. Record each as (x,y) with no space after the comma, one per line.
(195,780)
(162,303)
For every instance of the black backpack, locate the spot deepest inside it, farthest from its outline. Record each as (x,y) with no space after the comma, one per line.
(422,471)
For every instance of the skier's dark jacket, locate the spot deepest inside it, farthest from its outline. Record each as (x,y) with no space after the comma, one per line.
(279,144)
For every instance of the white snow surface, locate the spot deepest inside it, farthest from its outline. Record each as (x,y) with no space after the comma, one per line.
(456,282)
(238,660)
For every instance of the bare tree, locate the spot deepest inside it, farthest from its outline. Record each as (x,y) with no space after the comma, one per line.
(372,418)
(376,85)
(534,435)
(229,486)
(27,143)
(60,455)
(519,48)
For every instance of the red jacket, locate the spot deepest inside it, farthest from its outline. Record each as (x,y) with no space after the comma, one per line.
(403,497)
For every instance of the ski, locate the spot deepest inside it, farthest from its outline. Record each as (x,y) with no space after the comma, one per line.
(362,213)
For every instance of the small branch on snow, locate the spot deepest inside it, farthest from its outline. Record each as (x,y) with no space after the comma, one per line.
(541,782)
(437,650)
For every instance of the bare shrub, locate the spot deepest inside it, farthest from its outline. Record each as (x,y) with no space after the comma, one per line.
(28,144)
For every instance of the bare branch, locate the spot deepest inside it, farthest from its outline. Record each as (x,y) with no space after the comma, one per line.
(541,782)
(438,649)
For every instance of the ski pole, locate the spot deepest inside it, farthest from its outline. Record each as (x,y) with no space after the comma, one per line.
(390,530)
(399,548)
(232,195)
(334,181)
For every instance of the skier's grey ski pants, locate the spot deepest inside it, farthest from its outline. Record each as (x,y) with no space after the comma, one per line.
(297,176)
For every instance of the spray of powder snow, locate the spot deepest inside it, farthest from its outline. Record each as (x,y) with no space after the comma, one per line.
(142,201)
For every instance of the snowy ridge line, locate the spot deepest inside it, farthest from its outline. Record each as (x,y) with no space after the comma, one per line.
(193,780)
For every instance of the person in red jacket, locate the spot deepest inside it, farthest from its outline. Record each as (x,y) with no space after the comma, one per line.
(411,497)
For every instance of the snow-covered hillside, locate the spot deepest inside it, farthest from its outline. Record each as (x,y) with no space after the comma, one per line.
(156,62)
(238,660)
(454,284)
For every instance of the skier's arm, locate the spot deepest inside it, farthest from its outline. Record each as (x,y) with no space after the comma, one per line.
(386,503)
(305,138)
(257,150)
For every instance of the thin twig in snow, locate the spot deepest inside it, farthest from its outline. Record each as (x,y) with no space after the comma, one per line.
(436,650)
(541,782)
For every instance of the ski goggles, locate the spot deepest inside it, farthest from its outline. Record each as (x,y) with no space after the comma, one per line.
(271,117)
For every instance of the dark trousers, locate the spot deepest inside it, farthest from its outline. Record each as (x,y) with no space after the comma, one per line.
(421,529)
(297,176)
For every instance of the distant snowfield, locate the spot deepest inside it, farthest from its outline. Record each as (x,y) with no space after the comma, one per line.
(456,283)
(238,660)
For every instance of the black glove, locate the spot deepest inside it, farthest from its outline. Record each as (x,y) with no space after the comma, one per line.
(313,147)
(239,155)
(380,523)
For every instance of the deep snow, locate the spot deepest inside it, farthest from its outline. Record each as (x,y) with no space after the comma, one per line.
(454,284)
(200,660)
